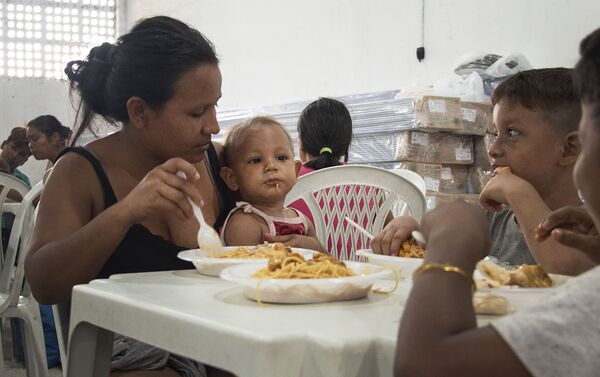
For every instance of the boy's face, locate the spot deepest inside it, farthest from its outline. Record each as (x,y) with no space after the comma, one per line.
(587,167)
(264,169)
(13,155)
(528,145)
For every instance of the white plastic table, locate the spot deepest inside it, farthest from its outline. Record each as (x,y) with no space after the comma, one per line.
(209,320)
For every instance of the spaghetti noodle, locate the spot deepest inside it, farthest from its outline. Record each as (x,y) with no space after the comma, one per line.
(294,266)
(257,252)
(410,249)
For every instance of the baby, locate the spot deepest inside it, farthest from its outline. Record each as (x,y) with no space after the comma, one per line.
(258,163)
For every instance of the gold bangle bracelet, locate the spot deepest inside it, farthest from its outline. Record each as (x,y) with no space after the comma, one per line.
(446,268)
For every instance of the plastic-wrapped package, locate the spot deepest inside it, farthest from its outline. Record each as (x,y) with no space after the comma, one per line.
(438,113)
(451,179)
(476,117)
(436,148)
(434,199)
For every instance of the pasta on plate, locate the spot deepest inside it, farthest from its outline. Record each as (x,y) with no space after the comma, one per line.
(294,266)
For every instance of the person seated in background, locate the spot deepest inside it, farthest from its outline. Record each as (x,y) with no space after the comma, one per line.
(15,152)
(558,337)
(47,138)
(536,113)
(324,138)
(258,164)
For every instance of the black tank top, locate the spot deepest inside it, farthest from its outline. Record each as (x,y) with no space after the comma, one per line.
(140,250)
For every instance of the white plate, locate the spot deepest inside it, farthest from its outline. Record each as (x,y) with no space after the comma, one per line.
(207,265)
(404,265)
(519,297)
(303,291)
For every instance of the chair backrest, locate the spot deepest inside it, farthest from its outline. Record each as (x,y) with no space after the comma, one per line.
(9,183)
(413,177)
(13,274)
(366,194)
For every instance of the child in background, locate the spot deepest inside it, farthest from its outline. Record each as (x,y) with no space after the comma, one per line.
(258,163)
(324,137)
(15,152)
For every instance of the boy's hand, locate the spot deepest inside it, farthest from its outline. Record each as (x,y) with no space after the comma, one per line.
(499,189)
(456,233)
(573,227)
(390,240)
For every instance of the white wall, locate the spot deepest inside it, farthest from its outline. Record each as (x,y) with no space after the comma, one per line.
(24,99)
(275,51)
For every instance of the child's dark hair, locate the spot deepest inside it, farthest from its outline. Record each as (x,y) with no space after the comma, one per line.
(146,62)
(325,131)
(549,90)
(18,136)
(587,72)
(48,125)
(235,135)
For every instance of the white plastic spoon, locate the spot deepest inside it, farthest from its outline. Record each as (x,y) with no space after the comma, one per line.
(208,238)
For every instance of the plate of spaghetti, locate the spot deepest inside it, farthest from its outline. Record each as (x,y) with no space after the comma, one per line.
(295,280)
(211,263)
(410,257)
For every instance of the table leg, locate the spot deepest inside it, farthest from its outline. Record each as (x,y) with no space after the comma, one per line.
(90,351)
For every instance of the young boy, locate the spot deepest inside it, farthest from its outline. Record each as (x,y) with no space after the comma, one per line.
(536,114)
(558,337)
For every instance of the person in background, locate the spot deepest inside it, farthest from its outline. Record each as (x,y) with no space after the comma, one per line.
(258,159)
(324,137)
(117,205)
(536,113)
(47,138)
(15,152)
(558,337)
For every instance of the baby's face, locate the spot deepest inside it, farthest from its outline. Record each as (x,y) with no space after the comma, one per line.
(527,144)
(264,165)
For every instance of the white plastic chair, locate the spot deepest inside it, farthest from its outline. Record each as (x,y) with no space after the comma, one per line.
(413,177)
(16,301)
(366,194)
(8,183)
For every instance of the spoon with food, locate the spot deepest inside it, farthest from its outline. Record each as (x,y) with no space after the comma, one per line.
(208,238)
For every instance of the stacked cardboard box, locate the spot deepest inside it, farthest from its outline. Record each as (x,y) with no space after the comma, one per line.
(448,147)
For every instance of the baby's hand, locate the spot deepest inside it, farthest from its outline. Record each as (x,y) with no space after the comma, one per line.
(296,240)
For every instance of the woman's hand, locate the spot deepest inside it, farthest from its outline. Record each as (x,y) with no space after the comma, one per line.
(162,191)
(390,240)
(573,227)
(456,233)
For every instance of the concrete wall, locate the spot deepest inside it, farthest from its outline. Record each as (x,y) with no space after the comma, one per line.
(276,51)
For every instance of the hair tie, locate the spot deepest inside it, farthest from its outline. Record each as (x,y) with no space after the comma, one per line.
(325,149)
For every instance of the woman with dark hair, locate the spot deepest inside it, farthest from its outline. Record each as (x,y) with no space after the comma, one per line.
(117,205)
(47,138)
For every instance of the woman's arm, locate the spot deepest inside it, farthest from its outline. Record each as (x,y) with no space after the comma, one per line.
(74,235)
(438,333)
